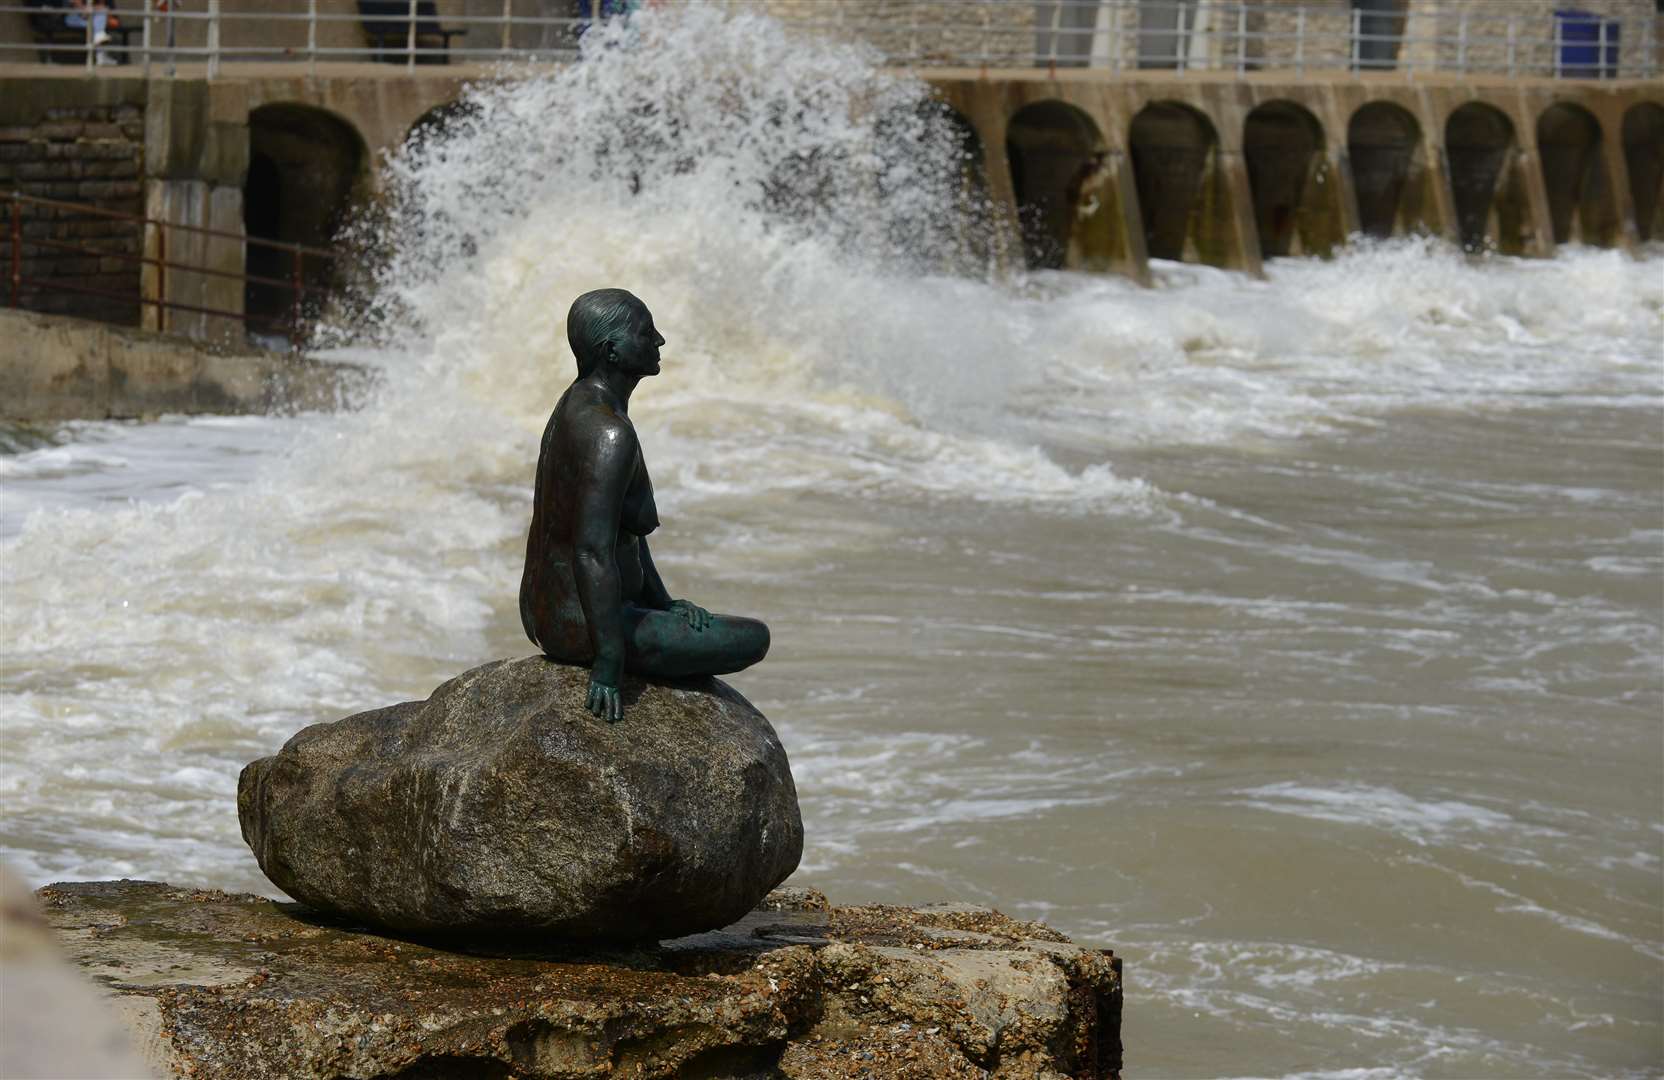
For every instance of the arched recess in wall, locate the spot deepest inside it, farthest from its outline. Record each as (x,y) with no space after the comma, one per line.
(307,169)
(972,229)
(1479,145)
(1282,145)
(1579,197)
(440,123)
(1383,147)
(1644,158)
(1060,176)
(933,185)
(1175,163)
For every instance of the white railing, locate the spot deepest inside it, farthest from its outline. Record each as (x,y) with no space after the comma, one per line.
(1114,35)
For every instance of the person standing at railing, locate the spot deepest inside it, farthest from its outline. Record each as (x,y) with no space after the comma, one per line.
(99,12)
(591,11)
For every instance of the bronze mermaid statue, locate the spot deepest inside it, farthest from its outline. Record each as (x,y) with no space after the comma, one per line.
(590,594)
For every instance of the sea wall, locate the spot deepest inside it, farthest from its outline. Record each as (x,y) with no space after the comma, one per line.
(1090,169)
(1104,173)
(78,141)
(57,368)
(183,152)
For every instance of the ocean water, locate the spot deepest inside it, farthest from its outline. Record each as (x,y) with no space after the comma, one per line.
(1302,639)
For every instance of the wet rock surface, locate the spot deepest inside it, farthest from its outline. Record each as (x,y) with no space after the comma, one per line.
(500,806)
(235,986)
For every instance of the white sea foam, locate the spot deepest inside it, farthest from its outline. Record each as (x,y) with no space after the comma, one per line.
(1516,904)
(1418,820)
(1360,1004)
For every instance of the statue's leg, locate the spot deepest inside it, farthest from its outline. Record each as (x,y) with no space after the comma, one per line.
(662,644)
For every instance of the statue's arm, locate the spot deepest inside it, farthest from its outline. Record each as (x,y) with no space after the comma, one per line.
(595,555)
(655,595)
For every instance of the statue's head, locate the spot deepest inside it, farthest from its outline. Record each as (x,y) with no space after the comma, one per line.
(602,319)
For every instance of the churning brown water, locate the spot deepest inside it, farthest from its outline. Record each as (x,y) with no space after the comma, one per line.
(1300,639)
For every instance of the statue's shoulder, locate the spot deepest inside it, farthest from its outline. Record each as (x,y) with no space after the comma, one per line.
(593,427)
(614,434)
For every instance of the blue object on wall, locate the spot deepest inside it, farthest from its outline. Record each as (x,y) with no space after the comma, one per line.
(1580,57)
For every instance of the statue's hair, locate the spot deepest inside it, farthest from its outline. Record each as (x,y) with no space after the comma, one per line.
(595,319)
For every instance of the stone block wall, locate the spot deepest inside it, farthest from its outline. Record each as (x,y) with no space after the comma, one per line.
(1515,36)
(91,153)
(1120,34)
(1326,23)
(556,37)
(1218,35)
(1487,32)
(960,32)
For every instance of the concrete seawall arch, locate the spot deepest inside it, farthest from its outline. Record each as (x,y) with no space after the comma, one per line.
(1482,159)
(1057,157)
(440,120)
(1180,178)
(208,141)
(1643,146)
(308,169)
(1232,170)
(976,244)
(1387,162)
(1296,199)
(1580,203)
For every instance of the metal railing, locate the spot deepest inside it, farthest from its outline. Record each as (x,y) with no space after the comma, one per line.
(1114,35)
(1276,35)
(27,291)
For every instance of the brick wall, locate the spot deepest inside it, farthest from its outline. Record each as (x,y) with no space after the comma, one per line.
(85,154)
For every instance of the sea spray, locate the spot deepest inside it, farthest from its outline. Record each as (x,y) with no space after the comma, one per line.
(691,147)
(807,226)
(167,621)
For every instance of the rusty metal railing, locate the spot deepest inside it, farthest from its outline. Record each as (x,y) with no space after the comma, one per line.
(292,320)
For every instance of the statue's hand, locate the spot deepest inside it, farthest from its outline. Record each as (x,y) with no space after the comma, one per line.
(604,701)
(696,616)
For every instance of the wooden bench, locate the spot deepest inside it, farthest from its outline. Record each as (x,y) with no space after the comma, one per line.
(387,25)
(47,23)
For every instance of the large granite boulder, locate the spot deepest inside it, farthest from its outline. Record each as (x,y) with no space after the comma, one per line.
(499,805)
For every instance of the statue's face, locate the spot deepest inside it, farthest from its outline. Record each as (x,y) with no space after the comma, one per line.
(637,351)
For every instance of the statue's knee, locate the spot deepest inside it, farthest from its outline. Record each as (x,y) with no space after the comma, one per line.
(745,640)
(759,640)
